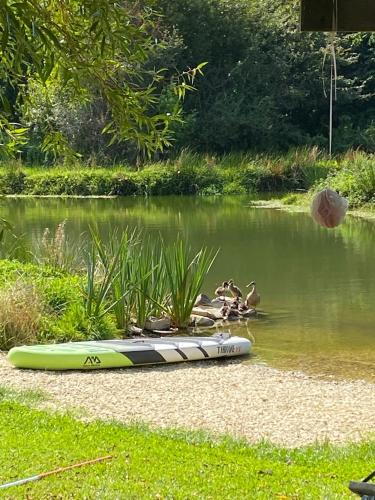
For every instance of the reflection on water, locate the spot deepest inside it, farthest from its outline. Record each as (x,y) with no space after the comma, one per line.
(317,285)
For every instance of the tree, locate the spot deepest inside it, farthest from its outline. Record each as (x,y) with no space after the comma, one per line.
(89,46)
(263,85)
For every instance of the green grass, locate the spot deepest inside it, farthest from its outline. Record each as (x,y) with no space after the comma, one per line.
(188,173)
(23,397)
(166,464)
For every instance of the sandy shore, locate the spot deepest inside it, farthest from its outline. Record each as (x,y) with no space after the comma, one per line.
(252,401)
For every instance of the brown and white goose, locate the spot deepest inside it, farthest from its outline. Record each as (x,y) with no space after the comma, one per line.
(253,297)
(234,290)
(220,291)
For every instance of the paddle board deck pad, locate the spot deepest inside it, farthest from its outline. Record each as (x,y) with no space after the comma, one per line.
(123,353)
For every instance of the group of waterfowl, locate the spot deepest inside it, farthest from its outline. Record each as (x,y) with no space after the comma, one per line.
(237,305)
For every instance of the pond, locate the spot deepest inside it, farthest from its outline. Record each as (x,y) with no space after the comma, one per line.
(317,286)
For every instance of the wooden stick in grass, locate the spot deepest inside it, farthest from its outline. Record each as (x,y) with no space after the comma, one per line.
(53,472)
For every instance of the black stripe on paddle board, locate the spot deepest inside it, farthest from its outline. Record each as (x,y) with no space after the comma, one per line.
(148,342)
(144,357)
(181,353)
(205,353)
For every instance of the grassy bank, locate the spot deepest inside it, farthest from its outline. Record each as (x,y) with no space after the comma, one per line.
(352,174)
(187,174)
(164,464)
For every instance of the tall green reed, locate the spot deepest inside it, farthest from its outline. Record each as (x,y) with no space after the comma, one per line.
(150,292)
(104,290)
(185,276)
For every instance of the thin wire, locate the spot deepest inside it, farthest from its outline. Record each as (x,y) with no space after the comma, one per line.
(333,82)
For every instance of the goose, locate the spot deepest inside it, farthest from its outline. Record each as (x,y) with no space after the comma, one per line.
(235,304)
(242,308)
(234,290)
(220,291)
(225,310)
(252,298)
(233,313)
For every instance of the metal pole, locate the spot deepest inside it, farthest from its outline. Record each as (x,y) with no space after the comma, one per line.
(331,110)
(53,472)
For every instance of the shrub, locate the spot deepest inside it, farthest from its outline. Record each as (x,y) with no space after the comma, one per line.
(12,270)
(293,199)
(58,293)
(354,178)
(21,309)
(13,182)
(74,325)
(55,287)
(188,174)
(57,302)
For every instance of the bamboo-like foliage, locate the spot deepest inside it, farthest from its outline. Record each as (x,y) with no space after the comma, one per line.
(185,279)
(135,278)
(150,290)
(102,276)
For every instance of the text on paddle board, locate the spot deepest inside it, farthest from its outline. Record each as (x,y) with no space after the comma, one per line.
(228,349)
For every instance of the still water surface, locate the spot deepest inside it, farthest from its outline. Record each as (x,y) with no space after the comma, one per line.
(317,286)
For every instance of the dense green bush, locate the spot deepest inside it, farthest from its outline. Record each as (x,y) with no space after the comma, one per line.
(262,88)
(13,181)
(353,174)
(354,178)
(74,325)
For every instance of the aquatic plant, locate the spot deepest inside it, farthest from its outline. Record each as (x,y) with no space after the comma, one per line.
(135,278)
(120,251)
(185,277)
(102,271)
(148,275)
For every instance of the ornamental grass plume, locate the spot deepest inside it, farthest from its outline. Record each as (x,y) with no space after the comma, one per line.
(21,311)
(58,251)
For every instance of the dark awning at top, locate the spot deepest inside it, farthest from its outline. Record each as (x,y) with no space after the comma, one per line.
(351,15)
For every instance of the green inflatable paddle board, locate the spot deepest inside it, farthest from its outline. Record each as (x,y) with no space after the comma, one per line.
(123,353)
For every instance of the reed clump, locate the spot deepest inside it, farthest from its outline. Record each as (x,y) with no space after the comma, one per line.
(141,278)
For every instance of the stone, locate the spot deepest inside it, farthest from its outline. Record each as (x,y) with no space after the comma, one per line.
(218,302)
(249,313)
(203,300)
(153,323)
(210,312)
(201,321)
(135,330)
